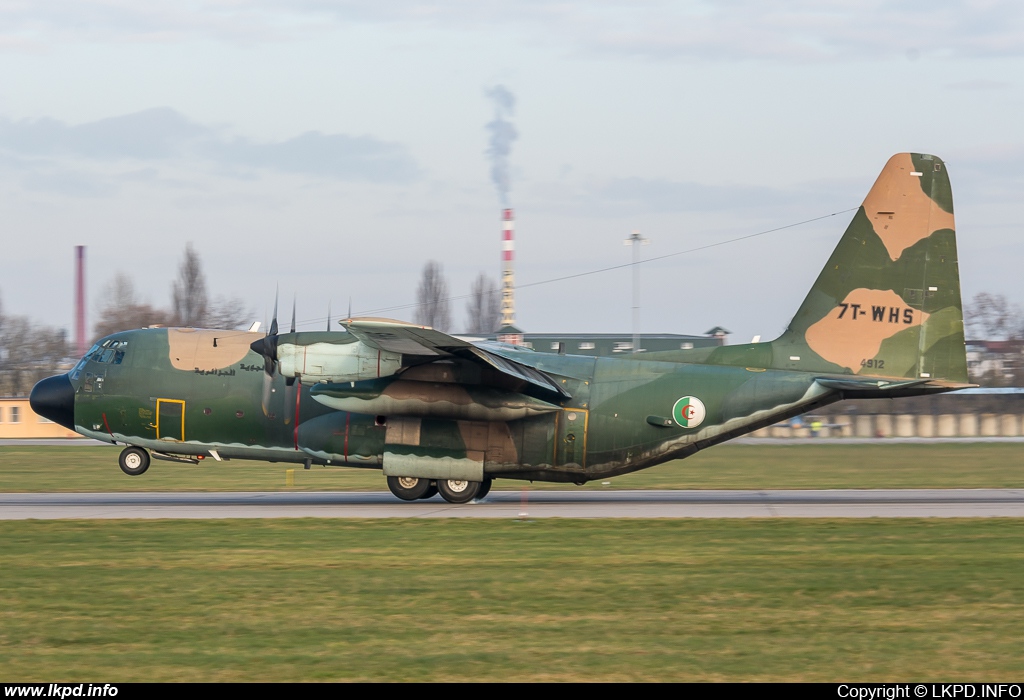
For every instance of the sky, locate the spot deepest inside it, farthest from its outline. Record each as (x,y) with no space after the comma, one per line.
(330,149)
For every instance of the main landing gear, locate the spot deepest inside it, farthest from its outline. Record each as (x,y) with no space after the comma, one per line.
(409,488)
(452,490)
(133,461)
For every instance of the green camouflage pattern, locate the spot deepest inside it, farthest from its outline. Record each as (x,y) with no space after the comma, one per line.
(883,319)
(887,303)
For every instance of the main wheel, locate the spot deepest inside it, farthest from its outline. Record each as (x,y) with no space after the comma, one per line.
(485,488)
(133,461)
(458,490)
(408,488)
(430,492)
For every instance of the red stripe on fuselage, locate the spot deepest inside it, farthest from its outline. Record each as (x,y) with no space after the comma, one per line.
(106,424)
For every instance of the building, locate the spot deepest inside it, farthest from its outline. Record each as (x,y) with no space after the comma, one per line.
(612,344)
(18,420)
(996,362)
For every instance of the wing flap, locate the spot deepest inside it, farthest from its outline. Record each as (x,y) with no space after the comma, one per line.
(422,341)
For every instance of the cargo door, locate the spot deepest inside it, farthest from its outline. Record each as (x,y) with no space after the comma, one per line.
(170,420)
(571,437)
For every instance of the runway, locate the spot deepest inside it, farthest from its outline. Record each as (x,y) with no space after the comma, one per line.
(894,503)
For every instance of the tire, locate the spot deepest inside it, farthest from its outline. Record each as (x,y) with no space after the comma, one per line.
(431,492)
(458,490)
(133,461)
(485,488)
(408,488)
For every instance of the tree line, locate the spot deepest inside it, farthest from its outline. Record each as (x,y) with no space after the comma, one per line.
(30,351)
(122,309)
(433,302)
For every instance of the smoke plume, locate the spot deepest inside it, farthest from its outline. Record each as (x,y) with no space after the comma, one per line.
(502,136)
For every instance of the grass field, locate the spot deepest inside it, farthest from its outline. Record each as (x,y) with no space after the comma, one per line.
(943,465)
(623,600)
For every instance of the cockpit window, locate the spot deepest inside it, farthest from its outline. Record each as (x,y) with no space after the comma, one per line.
(109,351)
(76,372)
(113,351)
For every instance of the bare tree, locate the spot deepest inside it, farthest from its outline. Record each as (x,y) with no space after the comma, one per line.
(121,309)
(992,317)
(484,306)
(432,298)
(189,291)
(29,353)
(228,313)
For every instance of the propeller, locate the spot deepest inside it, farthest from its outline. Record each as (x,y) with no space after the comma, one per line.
(267,348)
(290,388)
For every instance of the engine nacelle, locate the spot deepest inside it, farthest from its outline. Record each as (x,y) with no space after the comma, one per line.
(397,397)
(336,362)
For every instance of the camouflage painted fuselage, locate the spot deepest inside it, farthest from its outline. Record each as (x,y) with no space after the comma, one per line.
(883,319)
(619,417)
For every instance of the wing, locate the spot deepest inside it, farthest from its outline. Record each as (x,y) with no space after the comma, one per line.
(408,339)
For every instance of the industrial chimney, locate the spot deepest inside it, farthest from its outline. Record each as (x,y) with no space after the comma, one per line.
(508,333)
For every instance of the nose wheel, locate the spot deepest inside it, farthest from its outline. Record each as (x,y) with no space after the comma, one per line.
(133,461)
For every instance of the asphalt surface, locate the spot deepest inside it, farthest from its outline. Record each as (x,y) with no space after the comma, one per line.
(894,503)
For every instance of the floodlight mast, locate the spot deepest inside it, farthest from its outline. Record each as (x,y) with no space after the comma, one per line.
(636,240)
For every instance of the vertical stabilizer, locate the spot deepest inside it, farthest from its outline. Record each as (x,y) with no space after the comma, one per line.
(888,301)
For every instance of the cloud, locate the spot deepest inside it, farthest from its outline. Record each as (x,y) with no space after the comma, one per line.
(663,195)
(164,135)
(328,155)
(70,183)
(794,31)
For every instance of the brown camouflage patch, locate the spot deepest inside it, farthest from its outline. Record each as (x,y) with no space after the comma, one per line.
(853,331)
(901,213)
(191,349)
(491,442)
(454,394)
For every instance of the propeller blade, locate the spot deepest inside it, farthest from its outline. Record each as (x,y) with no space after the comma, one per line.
(273,323)
(268,387)
(266,347)
(293,315)
(328,315)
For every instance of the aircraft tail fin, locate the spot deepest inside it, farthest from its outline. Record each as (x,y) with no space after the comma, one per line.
(888,303)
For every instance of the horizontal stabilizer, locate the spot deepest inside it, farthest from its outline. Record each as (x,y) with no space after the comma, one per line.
(867,384)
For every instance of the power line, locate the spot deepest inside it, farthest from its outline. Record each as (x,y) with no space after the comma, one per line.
(577,275)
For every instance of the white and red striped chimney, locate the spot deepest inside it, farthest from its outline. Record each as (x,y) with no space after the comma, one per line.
(508,278)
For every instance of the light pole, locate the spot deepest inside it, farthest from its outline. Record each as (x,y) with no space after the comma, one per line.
(636,240)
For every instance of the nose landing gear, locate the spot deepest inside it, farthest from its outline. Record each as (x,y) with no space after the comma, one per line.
(133,461)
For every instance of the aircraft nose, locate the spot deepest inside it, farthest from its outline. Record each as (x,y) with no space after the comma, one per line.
(54,398)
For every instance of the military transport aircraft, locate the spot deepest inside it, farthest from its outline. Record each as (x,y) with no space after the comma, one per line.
(439,414)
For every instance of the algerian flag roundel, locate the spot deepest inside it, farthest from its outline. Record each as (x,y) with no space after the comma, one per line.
(689,412)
